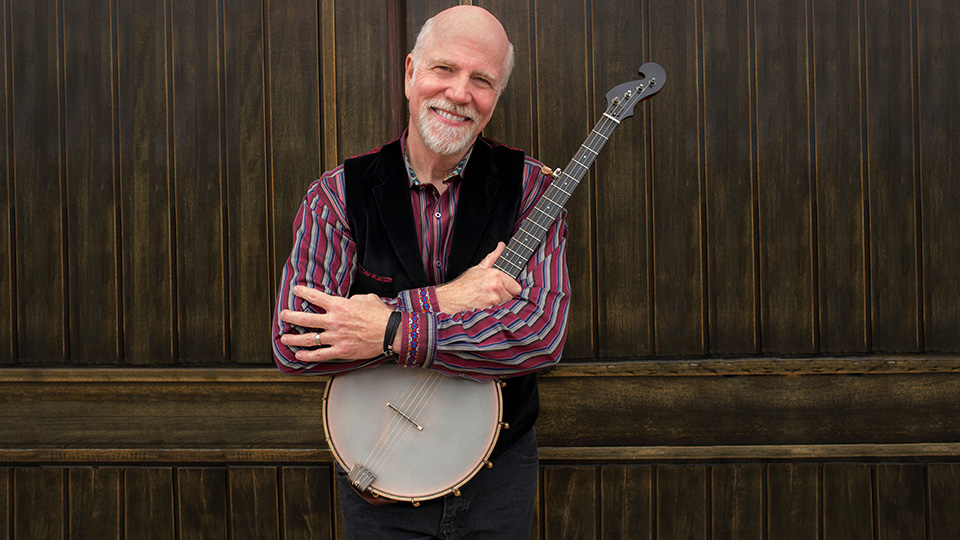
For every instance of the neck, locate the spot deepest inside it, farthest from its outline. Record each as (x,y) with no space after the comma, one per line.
(431,168)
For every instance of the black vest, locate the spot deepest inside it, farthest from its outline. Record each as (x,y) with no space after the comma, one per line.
(377,193)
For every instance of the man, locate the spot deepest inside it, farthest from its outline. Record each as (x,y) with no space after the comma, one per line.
(379,241)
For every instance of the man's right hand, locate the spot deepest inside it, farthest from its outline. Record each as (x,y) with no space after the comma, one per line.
(480,287)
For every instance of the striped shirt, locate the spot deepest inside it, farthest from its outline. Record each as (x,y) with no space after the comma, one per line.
(521,336)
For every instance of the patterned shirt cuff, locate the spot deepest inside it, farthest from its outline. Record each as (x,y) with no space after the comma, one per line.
(417,346)
(423,300)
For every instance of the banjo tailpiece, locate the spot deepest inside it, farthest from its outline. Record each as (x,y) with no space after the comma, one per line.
(361,477)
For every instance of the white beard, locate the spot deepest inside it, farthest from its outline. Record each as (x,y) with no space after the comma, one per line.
(442,138)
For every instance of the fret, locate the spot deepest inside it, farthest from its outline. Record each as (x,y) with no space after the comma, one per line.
(601,135)
(612,118)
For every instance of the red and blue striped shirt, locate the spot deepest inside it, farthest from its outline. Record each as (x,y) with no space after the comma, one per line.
(521,336)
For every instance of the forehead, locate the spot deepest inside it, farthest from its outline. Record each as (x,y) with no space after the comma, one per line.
(468,51)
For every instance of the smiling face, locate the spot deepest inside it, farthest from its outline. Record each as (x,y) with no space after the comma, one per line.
(454,78)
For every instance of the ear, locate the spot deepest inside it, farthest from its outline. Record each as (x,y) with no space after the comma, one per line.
(407,75)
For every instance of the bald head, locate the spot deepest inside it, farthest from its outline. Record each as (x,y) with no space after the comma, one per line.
(467,23)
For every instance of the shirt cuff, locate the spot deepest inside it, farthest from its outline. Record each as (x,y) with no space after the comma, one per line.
(418,339)
(422,300)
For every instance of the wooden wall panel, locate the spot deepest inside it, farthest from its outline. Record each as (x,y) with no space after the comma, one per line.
(893,177)
(38,182)
(199,205)
(901,502)
(5,488)
(253,509)
(736,500)
(569,503)
(681,502)
(92,198)
(8,312)
(938,123)
(149,311)
(848,512)
(307,503)
(626,502)
(842,316)
(943,492)
(677,201)
(202,503)
(793,512)
(730,177)
(94,502)
(148,504)
(563,104)
(787,299)
(623,182)
(38,502)
(245,175)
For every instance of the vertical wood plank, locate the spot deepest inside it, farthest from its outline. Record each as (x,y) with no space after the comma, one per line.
(94,495)
(148,504)
(307,505)
(840,194)
(623,182)
(37,179)
(514,120)
(8,309)
(939,126)
(148,306)
(729,142)
(563,124)
(5,504)
(250,289)
(38,501)
(847,502)
(892,178)
(361,92)
(944,497)
(626,502)
(293,89)
(784,193)
(569,502)
(254,497)
(199,203)
(793,495)
(202,503)
(677,181)
(737,502)
(92,198)
(901,502)
(681,502)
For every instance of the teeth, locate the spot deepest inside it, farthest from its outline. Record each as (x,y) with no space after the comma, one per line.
(450,116)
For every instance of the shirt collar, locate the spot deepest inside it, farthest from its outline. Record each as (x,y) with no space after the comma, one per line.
(412,176)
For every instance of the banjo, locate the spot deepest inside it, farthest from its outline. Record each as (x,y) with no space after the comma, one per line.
(416,434)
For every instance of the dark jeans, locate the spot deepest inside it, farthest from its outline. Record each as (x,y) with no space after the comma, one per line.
(496,504)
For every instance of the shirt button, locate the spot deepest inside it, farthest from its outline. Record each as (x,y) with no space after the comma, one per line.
(438,264)
(437,215)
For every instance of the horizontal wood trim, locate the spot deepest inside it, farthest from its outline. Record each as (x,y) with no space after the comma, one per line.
(749,409)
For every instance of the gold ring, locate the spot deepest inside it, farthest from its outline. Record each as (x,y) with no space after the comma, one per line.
(316,339)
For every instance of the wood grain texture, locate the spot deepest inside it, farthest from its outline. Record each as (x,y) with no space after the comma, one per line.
(569,503)
(94,495)
(38,182)
(625,308)
(626,502)
(307,503)
(848,512)
(148,503)
(677,202)
(253,511)
(149,311)
(793,493)
(785,193)
(8,308)
(841,200)
(681,501)
(38,501)
(736,495)
(202,503)
(892,176)
(943,480)
(92,197)
(563,105)
(939,121)
(901,502)
(5,518)
(729,104)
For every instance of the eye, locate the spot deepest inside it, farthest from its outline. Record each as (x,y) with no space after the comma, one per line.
(483,80)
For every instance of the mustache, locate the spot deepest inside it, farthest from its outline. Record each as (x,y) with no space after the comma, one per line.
(447,105)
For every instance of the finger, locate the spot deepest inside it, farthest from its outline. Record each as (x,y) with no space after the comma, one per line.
(492,257)
(314,296)
(308,339)
(301,318)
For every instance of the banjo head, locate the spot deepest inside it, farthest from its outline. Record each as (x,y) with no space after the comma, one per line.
(420,433)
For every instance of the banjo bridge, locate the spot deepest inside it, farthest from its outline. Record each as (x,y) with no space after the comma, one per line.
(361,477)
(404,416)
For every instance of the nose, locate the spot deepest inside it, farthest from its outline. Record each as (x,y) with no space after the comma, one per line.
(458,91)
